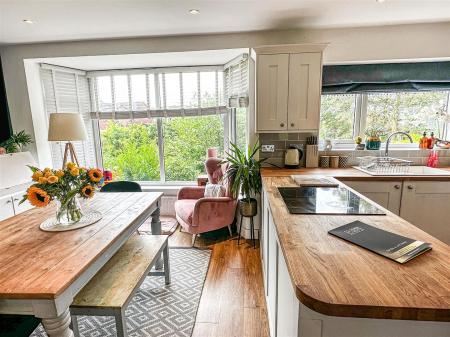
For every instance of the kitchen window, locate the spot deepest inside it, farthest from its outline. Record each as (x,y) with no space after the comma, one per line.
(346,116)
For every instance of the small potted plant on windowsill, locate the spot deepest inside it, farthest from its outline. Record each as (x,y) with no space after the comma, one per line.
(245,178)
(373,139)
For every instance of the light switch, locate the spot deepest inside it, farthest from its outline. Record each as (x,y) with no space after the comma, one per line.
(268,148)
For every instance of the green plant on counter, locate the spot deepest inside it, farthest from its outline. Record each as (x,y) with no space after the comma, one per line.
(17,142)
(374,133)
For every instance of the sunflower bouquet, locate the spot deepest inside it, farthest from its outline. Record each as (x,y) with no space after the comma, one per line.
(64,186)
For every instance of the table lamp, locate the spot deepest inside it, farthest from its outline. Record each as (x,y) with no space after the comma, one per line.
(67,127)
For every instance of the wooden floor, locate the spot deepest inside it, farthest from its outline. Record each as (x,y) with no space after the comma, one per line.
(232,302)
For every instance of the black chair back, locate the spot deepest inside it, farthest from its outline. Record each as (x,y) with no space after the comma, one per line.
(121,186)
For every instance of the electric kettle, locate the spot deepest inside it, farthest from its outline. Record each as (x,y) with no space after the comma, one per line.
(292,157)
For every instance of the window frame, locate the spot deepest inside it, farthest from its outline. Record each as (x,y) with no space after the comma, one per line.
(360,119)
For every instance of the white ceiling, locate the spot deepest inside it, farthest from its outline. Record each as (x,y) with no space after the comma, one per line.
(57,20)
(153,60)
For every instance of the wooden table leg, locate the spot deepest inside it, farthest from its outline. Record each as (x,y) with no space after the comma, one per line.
(156,230)
(58,326)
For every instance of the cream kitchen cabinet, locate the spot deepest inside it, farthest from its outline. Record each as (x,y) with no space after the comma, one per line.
(426,205)
(6,207)
(9,205)
(387,194)
(288,87)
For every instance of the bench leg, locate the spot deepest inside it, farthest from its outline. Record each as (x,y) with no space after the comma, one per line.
(121,324)
(166,263)
(156,230)
(74,325)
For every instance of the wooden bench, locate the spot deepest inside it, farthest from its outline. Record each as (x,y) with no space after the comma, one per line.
(111,289)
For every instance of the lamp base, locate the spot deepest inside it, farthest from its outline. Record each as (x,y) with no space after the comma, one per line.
(69,150)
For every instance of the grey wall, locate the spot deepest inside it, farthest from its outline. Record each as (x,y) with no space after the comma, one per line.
(421,41)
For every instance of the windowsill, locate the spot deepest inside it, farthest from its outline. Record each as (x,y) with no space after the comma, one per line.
(169,189)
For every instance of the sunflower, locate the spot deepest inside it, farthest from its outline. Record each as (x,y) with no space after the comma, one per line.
(42,180)
(70,165)
(37,197)
(36,175)
(48,174)
(52,179)
(95,175)
(88,191)
(59,173)
(74,171)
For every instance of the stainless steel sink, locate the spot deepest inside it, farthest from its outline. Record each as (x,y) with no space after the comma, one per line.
(410,171)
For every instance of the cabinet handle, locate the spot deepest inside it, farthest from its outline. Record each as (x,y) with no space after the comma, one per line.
(15,199)
(410,187)
(397,187)
(8,201)
(292,124)
(282,124)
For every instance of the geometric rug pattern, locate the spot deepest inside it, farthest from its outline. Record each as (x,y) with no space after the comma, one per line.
(158,310)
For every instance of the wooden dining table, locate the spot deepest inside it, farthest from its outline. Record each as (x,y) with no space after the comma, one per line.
(41,272)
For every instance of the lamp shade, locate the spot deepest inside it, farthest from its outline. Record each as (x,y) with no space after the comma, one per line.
(66,127)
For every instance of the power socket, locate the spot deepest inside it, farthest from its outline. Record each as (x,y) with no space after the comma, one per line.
(268,148)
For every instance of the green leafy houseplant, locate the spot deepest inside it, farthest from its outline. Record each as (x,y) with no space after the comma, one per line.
(244,176)
(17,142)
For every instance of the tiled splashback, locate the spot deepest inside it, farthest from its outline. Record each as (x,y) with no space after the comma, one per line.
(282,141)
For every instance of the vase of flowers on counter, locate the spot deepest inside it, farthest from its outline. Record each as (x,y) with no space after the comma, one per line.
(66,187)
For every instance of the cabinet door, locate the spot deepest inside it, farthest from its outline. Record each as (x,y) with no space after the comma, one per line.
(304,91)
(287,302)
(6,207)
(25,206)
(272,278)
(426,205)
(385,193)
(272,92)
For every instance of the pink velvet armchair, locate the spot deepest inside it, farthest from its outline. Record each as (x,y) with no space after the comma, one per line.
(197,214)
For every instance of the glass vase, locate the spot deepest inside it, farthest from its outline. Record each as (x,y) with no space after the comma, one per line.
(68,211)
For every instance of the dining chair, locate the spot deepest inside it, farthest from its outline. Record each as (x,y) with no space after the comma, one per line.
(121,186)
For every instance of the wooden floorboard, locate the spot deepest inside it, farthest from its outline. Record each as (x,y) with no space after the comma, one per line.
(232,302)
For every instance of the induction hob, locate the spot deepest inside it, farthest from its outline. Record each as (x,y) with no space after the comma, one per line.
(326,200)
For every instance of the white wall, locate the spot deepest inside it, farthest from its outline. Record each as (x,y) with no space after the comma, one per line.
(422,41)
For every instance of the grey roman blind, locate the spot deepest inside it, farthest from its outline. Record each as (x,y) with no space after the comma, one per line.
(163,92)
(386,77)
(67,90)
(236,82)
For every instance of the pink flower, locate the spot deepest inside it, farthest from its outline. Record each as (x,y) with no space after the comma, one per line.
(2,150)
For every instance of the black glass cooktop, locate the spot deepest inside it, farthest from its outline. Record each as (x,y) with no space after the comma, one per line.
(326,200)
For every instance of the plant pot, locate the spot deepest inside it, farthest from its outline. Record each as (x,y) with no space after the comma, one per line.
(372,144)
(248,208)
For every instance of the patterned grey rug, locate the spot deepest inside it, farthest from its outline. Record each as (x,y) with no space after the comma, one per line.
(157,309)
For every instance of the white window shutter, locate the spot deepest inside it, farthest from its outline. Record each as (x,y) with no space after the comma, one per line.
(68,91)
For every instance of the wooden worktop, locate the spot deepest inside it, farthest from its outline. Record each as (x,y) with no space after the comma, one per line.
(334,277)
(40,265)
(348,174)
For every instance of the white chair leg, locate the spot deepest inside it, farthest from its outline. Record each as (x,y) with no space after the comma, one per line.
(194,237)
(229,230)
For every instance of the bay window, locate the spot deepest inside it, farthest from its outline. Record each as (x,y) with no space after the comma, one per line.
(154,125)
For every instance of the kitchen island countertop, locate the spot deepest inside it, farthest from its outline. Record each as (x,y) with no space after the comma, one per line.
(337,278)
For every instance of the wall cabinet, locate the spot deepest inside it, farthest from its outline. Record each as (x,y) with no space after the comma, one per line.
(422,203)
(288,88)
(387,194)
(426,205)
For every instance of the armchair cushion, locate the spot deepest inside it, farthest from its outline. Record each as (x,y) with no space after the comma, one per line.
(214,190)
